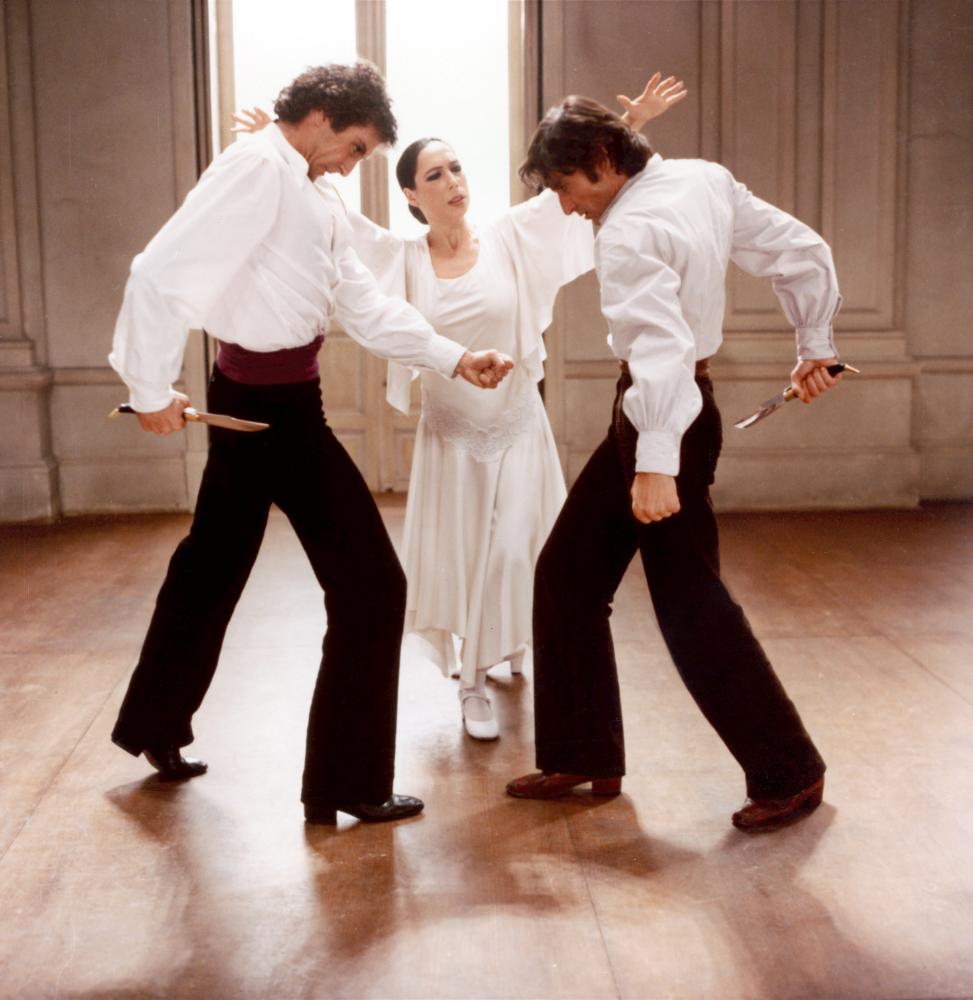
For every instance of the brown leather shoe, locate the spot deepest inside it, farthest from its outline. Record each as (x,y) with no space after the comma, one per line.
(764,815)
(549,786)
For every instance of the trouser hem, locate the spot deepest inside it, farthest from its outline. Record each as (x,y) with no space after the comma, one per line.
(594,759)
(771,787)
(133,748)
(136,747)
(334,801)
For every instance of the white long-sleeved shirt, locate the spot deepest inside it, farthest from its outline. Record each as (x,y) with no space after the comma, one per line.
(661,254)
(258,258)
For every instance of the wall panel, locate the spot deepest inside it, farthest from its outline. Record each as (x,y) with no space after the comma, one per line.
(857,118)
(28,472)
(113,96)
(860,156)
(759,98)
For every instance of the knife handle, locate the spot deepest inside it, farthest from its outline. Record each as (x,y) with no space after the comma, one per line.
(840,367)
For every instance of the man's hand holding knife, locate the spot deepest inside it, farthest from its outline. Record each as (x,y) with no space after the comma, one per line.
(654,495)
(166,421)
(810,379)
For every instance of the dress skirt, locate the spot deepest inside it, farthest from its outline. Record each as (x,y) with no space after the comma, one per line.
(476,521)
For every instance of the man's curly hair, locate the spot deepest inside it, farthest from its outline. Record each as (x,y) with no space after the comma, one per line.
(348,95)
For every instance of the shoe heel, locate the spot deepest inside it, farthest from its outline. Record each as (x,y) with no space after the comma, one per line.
(321,817)
(606,786)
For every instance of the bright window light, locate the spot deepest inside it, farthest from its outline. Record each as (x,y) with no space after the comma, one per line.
(447,73)
(440,84)
(274,42)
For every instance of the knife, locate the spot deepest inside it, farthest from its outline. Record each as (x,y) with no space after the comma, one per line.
(214,419)
(775,403)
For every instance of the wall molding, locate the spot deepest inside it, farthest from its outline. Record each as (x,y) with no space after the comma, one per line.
(10,318)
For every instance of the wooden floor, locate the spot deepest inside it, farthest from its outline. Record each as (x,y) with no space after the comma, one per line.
(112,885)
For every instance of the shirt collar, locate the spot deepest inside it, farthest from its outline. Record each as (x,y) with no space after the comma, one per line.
(295,161)
(655,161)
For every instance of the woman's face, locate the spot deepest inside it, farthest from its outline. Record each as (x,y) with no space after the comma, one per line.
(441,192)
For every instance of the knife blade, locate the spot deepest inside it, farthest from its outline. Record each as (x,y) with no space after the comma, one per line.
(773,404)
(213,419)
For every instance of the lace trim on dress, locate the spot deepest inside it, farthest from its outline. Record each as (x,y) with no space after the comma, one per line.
(483,442)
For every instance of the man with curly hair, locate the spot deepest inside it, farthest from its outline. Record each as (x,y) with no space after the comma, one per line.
(259,259)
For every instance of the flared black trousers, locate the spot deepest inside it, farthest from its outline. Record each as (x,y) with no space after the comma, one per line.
(299,465)
(578,715)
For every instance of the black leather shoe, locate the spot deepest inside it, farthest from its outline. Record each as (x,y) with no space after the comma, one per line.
(397,807)
(172,766)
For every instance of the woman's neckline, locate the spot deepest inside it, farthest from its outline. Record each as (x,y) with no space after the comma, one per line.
(453,277)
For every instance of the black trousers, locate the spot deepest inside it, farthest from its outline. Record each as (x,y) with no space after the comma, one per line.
(578,714)
(299,465)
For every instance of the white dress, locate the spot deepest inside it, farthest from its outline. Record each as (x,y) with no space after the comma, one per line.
(486,482)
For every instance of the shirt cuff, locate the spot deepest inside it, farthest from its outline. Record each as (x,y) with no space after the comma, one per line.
(148,399)
(143,396)
(815,342)
(442,355)
(657,451)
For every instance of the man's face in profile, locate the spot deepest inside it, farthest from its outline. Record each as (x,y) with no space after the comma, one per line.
(581,195)
(333,152)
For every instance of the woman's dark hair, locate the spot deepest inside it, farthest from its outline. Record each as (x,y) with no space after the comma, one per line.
(405,170)
(348,95)
(577,135)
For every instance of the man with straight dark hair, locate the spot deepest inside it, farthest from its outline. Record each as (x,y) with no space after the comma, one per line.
(667,230)
(262,261)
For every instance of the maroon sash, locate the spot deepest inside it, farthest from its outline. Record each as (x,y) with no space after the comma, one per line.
(292,364)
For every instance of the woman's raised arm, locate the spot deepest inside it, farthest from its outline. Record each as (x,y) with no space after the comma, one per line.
(656,99)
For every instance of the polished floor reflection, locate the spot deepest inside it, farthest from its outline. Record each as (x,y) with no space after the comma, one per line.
(112,885)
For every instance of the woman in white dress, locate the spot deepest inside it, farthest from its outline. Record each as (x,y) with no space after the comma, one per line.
(486,482)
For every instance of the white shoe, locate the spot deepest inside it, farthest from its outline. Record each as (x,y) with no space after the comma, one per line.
(478,715)
(516,660)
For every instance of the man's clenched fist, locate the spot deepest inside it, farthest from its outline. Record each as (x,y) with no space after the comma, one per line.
(484,369)
(654,497)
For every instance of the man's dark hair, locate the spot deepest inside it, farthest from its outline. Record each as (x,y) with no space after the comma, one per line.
(405,170)
(577,135)
(348,95)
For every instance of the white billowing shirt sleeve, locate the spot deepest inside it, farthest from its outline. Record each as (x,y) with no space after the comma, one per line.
(384,324)
(388,326)
(381,251)
(640,301)
(769,243)
(384,254)
(183,271)
(548,249)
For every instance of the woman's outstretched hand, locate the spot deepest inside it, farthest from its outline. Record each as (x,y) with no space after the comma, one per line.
(254,119)
(657,98)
